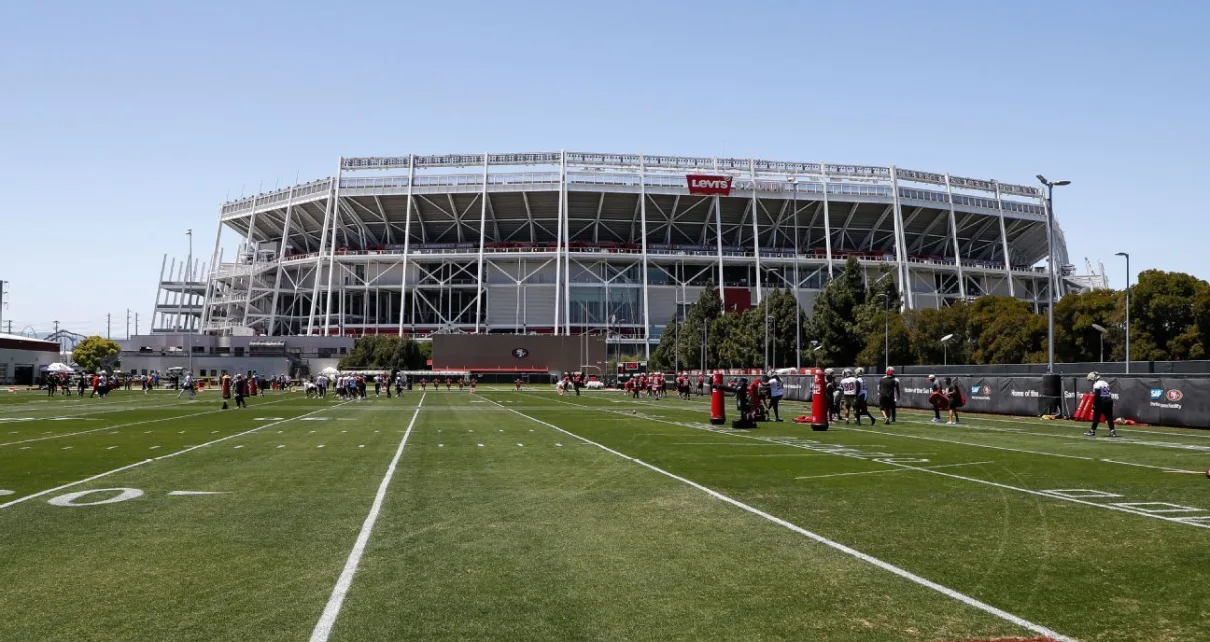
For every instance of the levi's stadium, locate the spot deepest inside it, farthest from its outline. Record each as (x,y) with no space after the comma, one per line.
(569,242)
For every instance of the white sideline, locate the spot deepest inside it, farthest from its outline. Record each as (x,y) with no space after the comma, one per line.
(886,566)
(135,423)
(937,439)
(323,628)
(774,440)
(148,461)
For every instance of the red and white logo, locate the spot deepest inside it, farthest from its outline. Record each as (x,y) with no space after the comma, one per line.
(708,184)
(1175,395)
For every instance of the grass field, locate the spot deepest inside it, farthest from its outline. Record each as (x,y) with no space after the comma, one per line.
(528,516)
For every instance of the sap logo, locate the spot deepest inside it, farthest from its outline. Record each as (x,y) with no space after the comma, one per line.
(1157,394)
(1175,395)
(520,353)
(981,390)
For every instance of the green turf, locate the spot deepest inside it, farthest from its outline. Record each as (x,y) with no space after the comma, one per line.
(497,526)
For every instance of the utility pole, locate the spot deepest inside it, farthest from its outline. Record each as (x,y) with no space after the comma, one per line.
(2,293)
(108,325)
(136,322)
(127,324)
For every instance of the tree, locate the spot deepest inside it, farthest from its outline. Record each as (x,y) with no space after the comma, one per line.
(384,352)
(1006,330)
(833,321)
(895,333)
(91,353)
(1164,316)
(925,327)
(1075,338)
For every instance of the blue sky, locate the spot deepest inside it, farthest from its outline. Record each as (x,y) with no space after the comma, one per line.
(125,123)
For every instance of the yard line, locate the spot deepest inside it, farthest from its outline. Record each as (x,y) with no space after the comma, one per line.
(886,566)
(148,461)
(893,470)
(975,480)
(323,629)
(1077,424)
(136,423)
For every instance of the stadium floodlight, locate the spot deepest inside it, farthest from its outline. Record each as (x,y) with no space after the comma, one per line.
(1104,331)
(1050,269)
(945,357)
(1126,255)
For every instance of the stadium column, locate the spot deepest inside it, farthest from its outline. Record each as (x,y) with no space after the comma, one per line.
(482,229)
(905,275)
(317,271)
(214,263)
(407,237)
(252,265)
(827,218)
(643,248)
(949,194)
(332,247)
(1008,266)
(281,256)
(755,229)
(718,224)
(566,242)
(558,311)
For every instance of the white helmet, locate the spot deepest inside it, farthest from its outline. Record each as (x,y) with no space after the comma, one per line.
(932,377)
(847,372)
(861,372)
(828,372)
(1092,376)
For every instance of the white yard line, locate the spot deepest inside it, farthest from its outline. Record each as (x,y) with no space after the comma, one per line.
(148,461)
(136,423)
(323,628)
(1202,434)
(892,470)
(886,566)
(975,480)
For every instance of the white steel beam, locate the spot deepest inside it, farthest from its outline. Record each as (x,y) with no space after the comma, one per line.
(643,250)
(755,229)
(332,248)
(905,284)
(827,224)
(407,239)
(319,258)
(949,192)
(281,255)
(482,239)
(1008,268)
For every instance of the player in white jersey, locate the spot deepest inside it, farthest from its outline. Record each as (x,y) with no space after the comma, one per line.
(848,390)
(1102,404)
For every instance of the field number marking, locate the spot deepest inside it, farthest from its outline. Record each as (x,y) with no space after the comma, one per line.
(72,499)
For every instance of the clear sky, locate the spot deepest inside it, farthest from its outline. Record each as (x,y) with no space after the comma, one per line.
(124,123)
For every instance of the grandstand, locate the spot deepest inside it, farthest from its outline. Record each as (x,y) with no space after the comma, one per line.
(569,242)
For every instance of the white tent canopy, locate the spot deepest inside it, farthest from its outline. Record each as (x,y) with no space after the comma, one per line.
(328,371)
(59,367)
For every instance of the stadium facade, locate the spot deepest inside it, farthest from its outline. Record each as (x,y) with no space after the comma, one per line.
(569,242)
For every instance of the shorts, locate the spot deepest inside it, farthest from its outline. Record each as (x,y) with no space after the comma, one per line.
(850,402)
(886,402)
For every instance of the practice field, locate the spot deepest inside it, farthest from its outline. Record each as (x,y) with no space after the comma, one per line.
(528,516)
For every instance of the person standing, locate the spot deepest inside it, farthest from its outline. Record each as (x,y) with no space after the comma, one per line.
(1102,404)
(241,389)
(937,399)
(863,398)
(953,393)
(776,391)
(848,391)
(888,395)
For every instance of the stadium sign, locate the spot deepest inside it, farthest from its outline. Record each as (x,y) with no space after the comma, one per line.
(708,184)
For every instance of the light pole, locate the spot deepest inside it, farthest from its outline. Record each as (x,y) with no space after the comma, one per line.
(815,348)
(1100,328)
(1127,256)
(886,331)
(1050,268)
(768,318)
(945,355)
(188,279)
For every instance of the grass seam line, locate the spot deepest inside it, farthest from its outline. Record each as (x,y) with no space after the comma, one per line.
(323,628)
(169,455)
(135,423)
(886,566)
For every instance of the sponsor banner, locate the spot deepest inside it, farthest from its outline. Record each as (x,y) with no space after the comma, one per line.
(708,184)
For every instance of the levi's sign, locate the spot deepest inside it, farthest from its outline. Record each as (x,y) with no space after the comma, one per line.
(707,184)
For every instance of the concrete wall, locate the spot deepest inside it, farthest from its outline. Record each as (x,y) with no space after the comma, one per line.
(15,364)
(500,352)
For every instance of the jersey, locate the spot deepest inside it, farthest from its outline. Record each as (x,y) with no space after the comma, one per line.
(848,386)
(1101,391)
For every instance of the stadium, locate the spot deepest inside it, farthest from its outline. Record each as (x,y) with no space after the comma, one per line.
(569,242)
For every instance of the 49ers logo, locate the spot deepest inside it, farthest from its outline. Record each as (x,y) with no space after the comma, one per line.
(707,184)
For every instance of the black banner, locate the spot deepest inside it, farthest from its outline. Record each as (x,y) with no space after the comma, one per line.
(1160,401)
